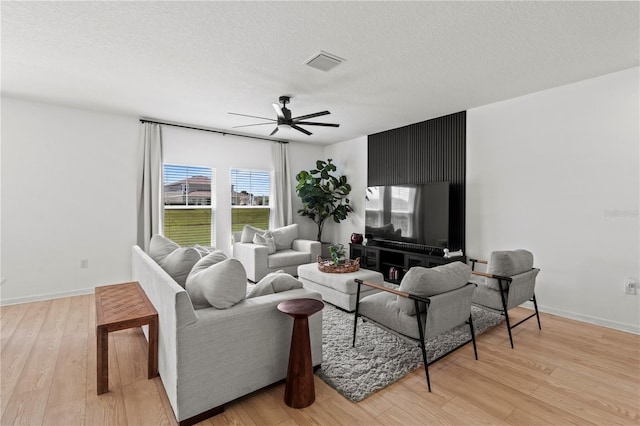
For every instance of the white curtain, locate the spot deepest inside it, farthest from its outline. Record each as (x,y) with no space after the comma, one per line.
(149,185)
(281,209)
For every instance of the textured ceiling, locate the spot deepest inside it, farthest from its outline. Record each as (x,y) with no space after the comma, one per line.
(194,62)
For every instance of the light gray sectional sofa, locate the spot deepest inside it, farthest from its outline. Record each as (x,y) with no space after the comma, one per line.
(211,356)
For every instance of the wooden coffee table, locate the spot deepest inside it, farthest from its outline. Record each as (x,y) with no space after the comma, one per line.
(118,307)
(299,391)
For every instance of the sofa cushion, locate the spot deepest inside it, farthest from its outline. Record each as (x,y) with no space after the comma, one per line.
(274,282)
(508,263)
(426,282)
(248,232)
(284,258)
(161,246)
(212,258)
(221,285)
(204,250)
(267,240)
(284,236)
(175,260)
(383,308)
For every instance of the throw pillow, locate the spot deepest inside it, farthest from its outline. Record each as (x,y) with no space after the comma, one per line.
(208,260)
(508,263)
(221,285)
(160,247)
(175,260)
(267,240)
(248,232)
(426,282)
(284,236)
(274,282)
(204,250)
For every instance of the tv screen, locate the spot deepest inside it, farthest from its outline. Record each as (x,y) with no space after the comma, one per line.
(417,214)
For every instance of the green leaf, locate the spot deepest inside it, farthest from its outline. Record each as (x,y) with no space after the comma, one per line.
(323,195)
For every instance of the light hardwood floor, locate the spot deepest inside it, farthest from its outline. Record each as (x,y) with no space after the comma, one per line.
(568,373)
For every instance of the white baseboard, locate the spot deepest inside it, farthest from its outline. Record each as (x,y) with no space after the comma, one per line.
(629,328)
(39,297)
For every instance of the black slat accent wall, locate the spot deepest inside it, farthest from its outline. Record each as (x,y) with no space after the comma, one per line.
(429,151)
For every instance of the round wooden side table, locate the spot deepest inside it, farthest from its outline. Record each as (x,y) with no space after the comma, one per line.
(299,391)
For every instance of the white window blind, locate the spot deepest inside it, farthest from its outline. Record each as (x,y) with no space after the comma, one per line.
(250,191)
(189,204)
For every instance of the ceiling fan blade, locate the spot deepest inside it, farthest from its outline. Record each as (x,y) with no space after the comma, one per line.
(310,123)
(278,110)
(274,131)
(300,129)
(252,116)
(249,125)
(315,114)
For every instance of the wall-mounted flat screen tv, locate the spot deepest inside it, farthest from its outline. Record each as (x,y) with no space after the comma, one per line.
(417,214)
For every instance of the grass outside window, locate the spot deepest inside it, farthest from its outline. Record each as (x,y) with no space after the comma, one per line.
(188,226)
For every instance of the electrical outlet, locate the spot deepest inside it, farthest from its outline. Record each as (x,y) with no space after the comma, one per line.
(84,263)
(630,286)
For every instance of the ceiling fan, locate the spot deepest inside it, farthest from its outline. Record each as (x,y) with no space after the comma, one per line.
(284,119)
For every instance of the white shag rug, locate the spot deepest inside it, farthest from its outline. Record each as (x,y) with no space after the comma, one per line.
(379,357)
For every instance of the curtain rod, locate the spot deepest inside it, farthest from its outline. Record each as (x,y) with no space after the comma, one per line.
(223,133)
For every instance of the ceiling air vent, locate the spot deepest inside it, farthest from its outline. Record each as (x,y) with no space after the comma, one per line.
(324,61)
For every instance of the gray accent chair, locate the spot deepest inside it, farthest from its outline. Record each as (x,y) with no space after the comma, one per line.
(509,281)
(429,302)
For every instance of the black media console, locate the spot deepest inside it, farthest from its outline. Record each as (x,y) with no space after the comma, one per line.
(394,259)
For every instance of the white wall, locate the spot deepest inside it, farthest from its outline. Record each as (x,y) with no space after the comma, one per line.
(350,157)
(194,147)
(68,193)
(556,172)
(565,161)
(303,157)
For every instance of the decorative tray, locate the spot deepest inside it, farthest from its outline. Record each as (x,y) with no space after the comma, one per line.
(346,266)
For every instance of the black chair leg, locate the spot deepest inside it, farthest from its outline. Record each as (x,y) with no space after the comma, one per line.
(355,326)
(506,316)
(505,309)
(355,315)
(426,367)
(473,337)
(426,364)
(424,351)
(535,305)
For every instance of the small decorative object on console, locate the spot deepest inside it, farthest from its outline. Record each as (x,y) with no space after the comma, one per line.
(449,254)
(356,238)
(394,273)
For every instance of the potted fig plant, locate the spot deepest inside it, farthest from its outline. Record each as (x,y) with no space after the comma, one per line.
(324,195)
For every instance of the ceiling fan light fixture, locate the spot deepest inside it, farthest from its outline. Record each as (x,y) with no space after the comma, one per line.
(324,61)
(284,119)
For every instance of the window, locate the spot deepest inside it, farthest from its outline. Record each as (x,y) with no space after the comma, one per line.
(189,204)
(250,198)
